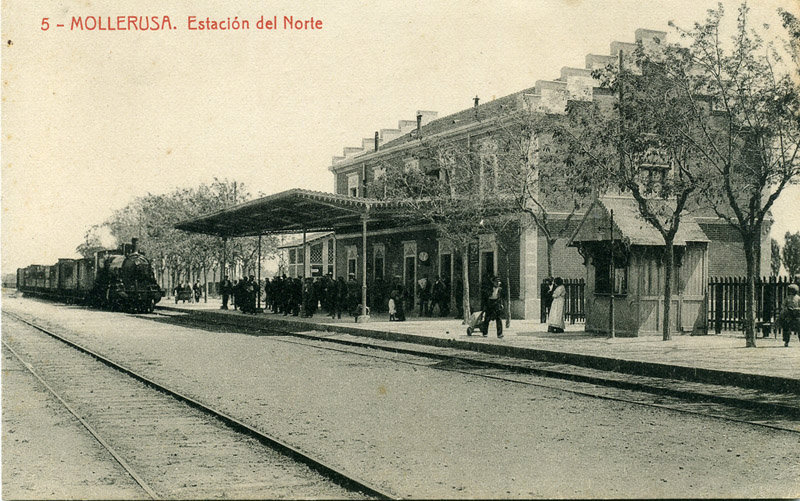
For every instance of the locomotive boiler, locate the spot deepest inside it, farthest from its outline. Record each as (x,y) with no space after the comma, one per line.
(121,279)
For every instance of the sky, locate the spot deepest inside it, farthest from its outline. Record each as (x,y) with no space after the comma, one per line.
(93,119)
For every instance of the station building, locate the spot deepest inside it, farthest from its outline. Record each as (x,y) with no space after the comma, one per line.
(353,230)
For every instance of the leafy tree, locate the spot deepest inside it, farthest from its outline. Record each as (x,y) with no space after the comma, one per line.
(775,257)
(791,253)
(448,191)
(548,180)
(745,103)
(724,119)
(636,137)
(174,253)
(91,242)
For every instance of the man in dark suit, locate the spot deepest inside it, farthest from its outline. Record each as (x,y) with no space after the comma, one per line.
(493,306)
(226,288)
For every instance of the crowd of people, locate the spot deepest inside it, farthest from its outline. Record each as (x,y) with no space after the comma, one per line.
(188,292)
(307,296)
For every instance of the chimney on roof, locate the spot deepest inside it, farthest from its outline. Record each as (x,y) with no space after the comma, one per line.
(419,122)
(477,100)
(376,140)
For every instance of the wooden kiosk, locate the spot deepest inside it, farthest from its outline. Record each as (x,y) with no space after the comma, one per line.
(638,280)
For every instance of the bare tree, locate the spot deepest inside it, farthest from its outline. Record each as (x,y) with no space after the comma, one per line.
(447,188)
(749,134)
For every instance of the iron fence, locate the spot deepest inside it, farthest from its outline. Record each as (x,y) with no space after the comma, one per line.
(574,301)
(727,298)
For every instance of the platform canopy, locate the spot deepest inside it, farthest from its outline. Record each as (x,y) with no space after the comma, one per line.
(294,211)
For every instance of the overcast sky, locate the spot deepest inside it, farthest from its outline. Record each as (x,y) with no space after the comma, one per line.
(91,120)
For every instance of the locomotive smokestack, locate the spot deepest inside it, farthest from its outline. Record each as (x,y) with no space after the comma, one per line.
(134,244)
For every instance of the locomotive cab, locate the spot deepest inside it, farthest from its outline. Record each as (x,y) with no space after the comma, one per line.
(126,281)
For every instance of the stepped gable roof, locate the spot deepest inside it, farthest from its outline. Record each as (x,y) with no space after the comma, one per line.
(630,226)
(463,117)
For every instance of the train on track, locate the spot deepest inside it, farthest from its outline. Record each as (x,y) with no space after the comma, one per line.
(120,279)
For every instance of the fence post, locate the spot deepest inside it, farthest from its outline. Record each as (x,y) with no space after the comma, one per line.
(766,326)
(718,289)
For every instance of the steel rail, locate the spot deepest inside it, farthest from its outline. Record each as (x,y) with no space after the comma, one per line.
(548,373)
(136,478)
(338,476)
(523,370)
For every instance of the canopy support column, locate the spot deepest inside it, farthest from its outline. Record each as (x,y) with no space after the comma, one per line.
(305,257)
(224,267)
(258,280)
(364,317)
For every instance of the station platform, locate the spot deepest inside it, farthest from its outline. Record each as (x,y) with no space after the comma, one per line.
(717,359)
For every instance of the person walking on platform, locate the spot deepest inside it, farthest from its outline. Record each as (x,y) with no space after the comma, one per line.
(275,293)
(555,319)
(424,293)
(297,296)
(286,295)
(440,298)
(243,298)
(237,294)
(458,297)
(252,294)
(493,309)
(339,297)
(267,293)
(790,314)
(326,293)
(308,297)
(353,295)
(225,288)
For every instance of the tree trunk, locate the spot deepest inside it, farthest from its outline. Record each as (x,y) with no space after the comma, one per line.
(750,254)
(465,278)
(550,245)
(669,266)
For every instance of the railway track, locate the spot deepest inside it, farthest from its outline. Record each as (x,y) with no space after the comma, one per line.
(173,446)
(759,408)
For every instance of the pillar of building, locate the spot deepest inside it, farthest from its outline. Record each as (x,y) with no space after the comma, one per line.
(529,303)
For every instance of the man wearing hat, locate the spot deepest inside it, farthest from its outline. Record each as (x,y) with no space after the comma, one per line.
(353,294)
(493,302)
(790,314)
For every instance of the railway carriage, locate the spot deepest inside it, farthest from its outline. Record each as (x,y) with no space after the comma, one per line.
(121,280)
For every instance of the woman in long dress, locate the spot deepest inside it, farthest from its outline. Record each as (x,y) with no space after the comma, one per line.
(555,319)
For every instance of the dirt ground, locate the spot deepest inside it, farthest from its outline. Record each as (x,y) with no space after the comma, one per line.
(47,454)
(423,432)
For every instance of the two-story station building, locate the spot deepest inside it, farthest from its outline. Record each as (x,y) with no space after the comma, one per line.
(356,231)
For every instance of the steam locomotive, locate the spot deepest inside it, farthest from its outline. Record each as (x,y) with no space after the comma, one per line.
(119,279)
